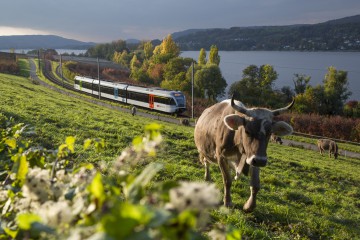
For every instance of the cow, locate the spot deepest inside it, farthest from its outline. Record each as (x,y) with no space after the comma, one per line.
(327,144)
(185,121)
(230,134)
(276,139)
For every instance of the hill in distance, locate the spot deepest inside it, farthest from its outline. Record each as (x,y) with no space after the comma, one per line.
(334,35)
(41,41)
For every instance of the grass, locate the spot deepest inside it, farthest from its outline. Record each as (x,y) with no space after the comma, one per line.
(24,67)
(303,195)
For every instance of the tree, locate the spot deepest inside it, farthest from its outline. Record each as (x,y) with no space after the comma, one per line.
(134,63)
(175,66)
(214,57)
(202,57)
(352,109)
(210,82)
(165,51)
(301,81)
(168,46)
(148,49)
(335,91)
(255,88)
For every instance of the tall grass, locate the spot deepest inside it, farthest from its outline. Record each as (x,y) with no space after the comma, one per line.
(303,195)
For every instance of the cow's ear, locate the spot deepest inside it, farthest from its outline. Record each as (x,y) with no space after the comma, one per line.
(281,128)
(233,121)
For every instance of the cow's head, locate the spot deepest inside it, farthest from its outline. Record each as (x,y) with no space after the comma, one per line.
(255,126)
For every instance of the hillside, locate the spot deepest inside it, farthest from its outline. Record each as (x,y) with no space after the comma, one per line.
(303,195)
(335,35)
(41,41)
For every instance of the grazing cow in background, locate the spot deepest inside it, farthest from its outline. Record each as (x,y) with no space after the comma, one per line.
(228,133)
(185,121)
(276,139)
(327,144)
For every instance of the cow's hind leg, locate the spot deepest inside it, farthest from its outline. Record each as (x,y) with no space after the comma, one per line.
(206,165)
(250,204)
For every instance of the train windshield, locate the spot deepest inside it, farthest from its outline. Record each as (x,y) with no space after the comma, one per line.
(180,99)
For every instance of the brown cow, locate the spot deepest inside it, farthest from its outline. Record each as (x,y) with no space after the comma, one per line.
(276,139)
(327,144)
(228,133)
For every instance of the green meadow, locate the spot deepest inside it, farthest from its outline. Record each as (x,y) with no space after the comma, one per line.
(304,195)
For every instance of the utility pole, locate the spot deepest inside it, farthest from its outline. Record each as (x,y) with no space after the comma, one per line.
(192,91)
(62,77)
(39,61)
(98,68)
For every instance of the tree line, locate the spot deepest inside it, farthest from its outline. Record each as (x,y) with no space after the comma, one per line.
(161,65)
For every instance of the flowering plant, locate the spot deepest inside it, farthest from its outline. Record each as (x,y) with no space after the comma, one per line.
(41,196)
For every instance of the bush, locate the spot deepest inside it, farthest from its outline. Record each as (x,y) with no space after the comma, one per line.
(328,126)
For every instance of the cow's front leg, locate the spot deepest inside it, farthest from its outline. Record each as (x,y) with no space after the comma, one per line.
(250,204)
(225,171)
(207,171)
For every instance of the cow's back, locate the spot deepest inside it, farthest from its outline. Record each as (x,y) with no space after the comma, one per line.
(323,144)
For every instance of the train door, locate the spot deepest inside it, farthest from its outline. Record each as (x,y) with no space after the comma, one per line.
(116,93)
(151,101)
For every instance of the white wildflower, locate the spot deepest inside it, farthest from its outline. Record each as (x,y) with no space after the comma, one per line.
(194,196)
(26,205)
(216,234)
(57,189)
(55,213)
(3,196)
(37,185)
(82,177)
(62,176)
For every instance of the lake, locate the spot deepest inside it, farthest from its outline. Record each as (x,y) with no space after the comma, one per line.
(59,51)
(286,64)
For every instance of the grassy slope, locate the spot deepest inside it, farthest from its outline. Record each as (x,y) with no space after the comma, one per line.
(303,194)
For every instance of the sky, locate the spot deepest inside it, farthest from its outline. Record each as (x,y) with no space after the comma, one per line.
(104,21)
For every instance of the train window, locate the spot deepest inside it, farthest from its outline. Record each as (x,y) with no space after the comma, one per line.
(172,101)
(164,100)
(86,85)
(138,96)
(107,90)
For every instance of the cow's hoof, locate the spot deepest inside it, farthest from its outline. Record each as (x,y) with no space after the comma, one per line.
(249,207)
(229,205)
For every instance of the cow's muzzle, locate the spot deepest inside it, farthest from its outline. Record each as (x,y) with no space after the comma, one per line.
(256,161)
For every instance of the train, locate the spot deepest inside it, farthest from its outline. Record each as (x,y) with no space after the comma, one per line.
(163,100)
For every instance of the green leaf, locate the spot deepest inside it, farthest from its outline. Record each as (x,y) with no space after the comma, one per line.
(11,142)
(234,234)
(87,143)
(137,141)
(99,144)
(70,141)
(62,147)
(25,220)
(20,168)
(11,233)
(128,216)
(133,189)
(96,188)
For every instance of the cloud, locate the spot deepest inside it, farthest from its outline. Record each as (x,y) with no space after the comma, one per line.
(107,20)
